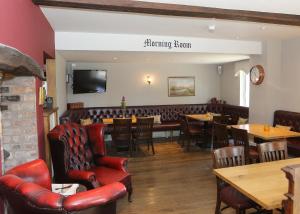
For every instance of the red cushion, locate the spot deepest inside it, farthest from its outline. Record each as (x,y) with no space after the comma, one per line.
(235,199)
(108,175)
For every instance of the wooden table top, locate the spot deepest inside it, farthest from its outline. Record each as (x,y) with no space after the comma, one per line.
(109,121)
(201,117)
(258,130)
(264,183)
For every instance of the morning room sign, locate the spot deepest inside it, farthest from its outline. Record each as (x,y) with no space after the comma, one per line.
(175,44)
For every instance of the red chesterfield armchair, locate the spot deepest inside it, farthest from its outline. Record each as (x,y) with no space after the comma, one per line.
(79,155)
(27,190)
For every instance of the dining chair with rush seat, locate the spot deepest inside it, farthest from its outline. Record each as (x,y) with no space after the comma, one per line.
(143,132)
(273,151)
(241,138)
(193,131)
(79,156)
(121,134)
(220,138)
(230,157)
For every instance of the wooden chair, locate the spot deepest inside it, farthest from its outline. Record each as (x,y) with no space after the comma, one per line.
(121,133)
(193,131)
(240,137)
(222,119)
(144,131)
(183,130)
(291,204)
(272,151)
(229,157)
(220,136)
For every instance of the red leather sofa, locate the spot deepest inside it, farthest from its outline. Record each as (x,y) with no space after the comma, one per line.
(27,190)
(79,156)
(170,114)
(288,118)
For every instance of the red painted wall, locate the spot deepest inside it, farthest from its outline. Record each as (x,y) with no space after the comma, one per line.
(24,26)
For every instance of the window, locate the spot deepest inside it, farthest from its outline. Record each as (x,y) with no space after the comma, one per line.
(244,88)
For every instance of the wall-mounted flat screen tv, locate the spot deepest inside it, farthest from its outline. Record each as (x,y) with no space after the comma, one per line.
(89,81)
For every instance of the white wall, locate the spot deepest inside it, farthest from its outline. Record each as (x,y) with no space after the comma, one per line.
(266,98)
(61,90)
(290,78)
(125,79)
(230,84)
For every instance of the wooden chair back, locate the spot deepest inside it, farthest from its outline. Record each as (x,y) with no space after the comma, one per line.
(222,119)
(121,134)
(144,128)
(221,135)
(228,157)
(292,204)
(272,151)
(240,138)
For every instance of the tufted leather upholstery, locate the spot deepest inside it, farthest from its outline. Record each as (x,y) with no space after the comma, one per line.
(27,190)
(288,118)
(78,154)
(169,113)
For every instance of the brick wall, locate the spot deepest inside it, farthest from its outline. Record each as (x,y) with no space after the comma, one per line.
(19,122)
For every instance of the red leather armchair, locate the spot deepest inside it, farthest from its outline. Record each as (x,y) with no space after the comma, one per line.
(27,190)
(79,155)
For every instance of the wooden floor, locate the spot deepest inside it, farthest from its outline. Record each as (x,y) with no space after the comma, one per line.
(171,181)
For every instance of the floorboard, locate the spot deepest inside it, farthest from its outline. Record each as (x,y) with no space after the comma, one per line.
(171,181)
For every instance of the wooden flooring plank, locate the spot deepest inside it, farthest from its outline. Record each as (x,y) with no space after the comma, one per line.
(172,181)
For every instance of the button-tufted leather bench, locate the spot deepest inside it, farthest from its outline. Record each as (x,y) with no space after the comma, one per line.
(288,118)
(169,113)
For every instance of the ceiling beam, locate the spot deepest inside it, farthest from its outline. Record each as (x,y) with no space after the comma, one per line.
(174,10)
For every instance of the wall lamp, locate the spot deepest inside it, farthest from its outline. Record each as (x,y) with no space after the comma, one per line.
(148,80)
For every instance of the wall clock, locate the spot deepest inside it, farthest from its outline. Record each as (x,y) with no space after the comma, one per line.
(257,74)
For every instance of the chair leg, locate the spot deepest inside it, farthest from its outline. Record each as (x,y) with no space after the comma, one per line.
(239,211)
(131,147)
(129,190)
(153,152)
(218,206)
(188,143)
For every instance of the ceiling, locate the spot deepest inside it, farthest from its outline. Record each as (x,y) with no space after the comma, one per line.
(79,20)
(76,20)
(275,6)
(149,57)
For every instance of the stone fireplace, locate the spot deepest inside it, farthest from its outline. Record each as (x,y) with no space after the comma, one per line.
(18,115)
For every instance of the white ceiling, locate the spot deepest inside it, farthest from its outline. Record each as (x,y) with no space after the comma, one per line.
(77,20)
(74,20)
(275,6)
(149,57)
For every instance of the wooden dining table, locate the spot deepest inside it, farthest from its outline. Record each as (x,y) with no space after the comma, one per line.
(109,121)
(264,183)
(266,132)
(201,117)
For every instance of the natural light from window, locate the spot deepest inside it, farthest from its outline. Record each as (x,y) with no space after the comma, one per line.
(244,88)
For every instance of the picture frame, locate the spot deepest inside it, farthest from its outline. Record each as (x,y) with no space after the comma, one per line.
(181,86)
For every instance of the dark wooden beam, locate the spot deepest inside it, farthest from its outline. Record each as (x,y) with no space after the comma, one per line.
(174,10)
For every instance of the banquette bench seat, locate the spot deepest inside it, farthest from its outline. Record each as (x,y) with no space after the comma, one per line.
(292,119)
(170,114)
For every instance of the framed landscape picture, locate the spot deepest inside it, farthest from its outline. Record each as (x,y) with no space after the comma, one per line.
(181,86)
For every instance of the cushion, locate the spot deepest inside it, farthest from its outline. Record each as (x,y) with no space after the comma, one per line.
(157,119)
(85,122)
(107,175)
(284,127)
(242,121)
(213,114)
(234,198)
